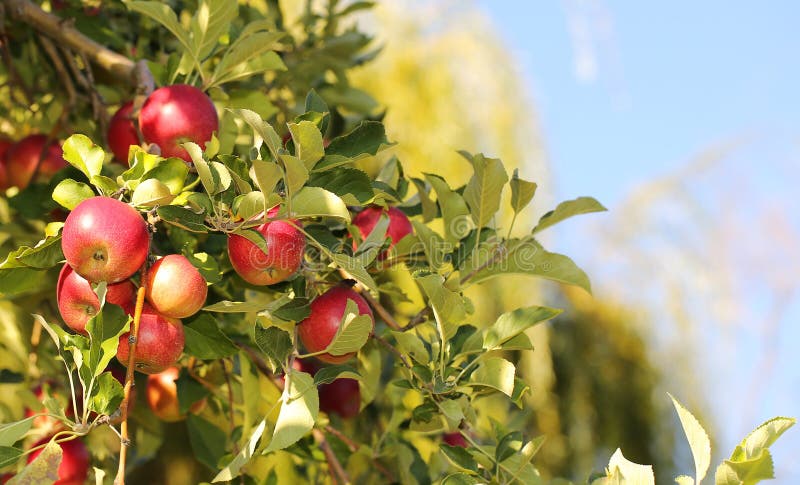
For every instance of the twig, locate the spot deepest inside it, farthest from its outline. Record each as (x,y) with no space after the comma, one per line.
(353,447)
(132,338)
(66,35)
(373,302)
(337,472)
(420,317)
(66,81)
(393,350)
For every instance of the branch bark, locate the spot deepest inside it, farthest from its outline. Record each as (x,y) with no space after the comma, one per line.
(64,34)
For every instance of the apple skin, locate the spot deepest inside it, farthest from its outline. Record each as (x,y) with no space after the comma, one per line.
(5,144)
(285,245)
(175,114)
(175,288)
(74,467)
(318,329)
(399,225)
(454,439)
(77,302)
(122,133)
(105,240)
(159,346)
(162,396)
(22,159)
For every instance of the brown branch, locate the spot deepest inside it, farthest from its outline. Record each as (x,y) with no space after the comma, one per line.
(353,447)
(393,350)
(418,318)
(337,471)
(373,302)
(68,36)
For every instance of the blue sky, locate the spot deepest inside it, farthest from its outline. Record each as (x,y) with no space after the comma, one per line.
(628,92)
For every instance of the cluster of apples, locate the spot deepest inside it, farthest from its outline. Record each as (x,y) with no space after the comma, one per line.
(35,157)
(106,240)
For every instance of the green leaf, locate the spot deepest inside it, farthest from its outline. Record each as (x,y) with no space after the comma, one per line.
(455,214)
(460,457)
(698,440)
(432,244)
(183,218)
(308,142)
(263,131)
(495,372)
(522,192)
(45,254)
(207,266)
(205,340)
(211,20)
(207,440)
(210,183)
(9,455)
(84,155)
(165,16)
(355,268)
(485,188)
(429,209)
(69,193)
(747,472)
(330,373)
(249,205)
(295,310)
(171,172)
(242,57)
(299,410)
(234,467)
(567,209)
(275,342)
(367,137)
(266,176)
(344,181)
(226,306)
(296,173)
(104,331)
(318,202)
(460,479)
(352,333)
(762,437)
(631,472)
(266,61)
(448,306)
(409,343)
(107,394)
(508,445)
(513,323)
(44,469)
(11,433)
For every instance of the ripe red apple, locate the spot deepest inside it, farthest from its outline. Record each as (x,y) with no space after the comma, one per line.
(341,397)
(74,467)
(318,329)
(5,144)
(77,302)
(173,115)
(285,246)
(159,345)
(162,396)
(122,133)
(29,154)
(175,288)
(399,225)
(105,240)
(455,439)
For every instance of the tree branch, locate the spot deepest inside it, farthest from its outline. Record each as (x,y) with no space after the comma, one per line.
(54,27)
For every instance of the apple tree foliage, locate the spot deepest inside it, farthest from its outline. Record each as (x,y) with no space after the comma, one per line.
(294,135)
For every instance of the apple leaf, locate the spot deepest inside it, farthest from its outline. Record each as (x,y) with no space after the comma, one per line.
(429,208)
(43,469)
(107,394)
(295,173)
(367,137)
(567,209)
(45,254)
(104,331)
(495,372)
(460,457)
(352,333)
(376,237)
(205,340)
(266,176)
(9,455)
(762,438)
(485,188)
(513,323)
(308,142)
(344,182)
(432,244)
(522,192)
(448,306)
(460,479)
(10,433)
(455,213)
(330,373)
(210,183)
(211,21)
(171,172)
(698,439)
(275,342)
(249,54)
(355,268)
(234,467)
(409,343)
(84,155)
(69,193)
(207,440)
(164,15)
(299,410)
(508,445)
(748,471)
(226,306)
(318,202)
(629,472)
(263,131)
(183,218)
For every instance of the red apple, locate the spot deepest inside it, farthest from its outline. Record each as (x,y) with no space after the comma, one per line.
(122,133)
(77,302)
(454,439)
(399,225)
(318,329)
(341,397)
(105,240)
(29,154)
(285,246)
(74,467)
(175,288)
(176,114)
(162,396)
(5,144)
(159,345)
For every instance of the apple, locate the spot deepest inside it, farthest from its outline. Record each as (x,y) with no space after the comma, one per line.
(285,247)
(105,240)
(455,439)
(318,329)
(175,288)
(341,397)
(74,467)
(77,301)
(399,225)
(159,344)
(29,154)
(4,146)
(177,114)
(122,133)
(162,396)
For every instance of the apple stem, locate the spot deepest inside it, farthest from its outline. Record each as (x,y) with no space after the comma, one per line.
(133,335)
